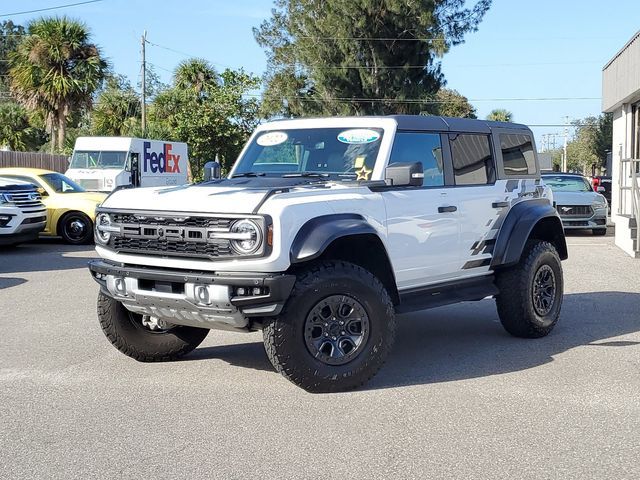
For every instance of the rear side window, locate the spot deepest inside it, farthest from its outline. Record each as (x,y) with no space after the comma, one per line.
(473,162)
(517,154)
(420,147)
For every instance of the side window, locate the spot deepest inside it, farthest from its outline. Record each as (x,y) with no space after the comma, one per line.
(472,159)
(517,154)
(420,147)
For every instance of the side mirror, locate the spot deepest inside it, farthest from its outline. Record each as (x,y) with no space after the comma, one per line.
(404,175)
(211,171)
(600,189)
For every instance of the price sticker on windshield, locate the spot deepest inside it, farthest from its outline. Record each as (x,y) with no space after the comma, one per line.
(271,139)
(358,136)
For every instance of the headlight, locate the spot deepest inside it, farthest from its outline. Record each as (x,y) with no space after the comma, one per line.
(104,229)
(598,205)
(4,200)
(246,237)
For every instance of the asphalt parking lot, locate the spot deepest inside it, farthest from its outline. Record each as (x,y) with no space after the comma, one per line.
(458,398)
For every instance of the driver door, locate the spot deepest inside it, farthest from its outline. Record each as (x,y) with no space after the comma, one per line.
(423,225)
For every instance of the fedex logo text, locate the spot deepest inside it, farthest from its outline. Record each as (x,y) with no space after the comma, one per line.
(163,162)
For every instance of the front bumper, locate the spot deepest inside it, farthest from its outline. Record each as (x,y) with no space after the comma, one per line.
(597,220)
(207,300)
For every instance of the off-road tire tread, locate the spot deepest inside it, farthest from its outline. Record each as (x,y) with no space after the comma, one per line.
(172,349)
(511,308)
(305,280)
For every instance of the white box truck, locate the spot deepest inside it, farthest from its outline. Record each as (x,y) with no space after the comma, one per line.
(102,164)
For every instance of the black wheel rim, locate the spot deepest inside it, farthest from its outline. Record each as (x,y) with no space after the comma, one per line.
(544,290)
(336,330)
(76,228)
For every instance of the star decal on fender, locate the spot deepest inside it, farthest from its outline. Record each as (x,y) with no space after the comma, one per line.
(363,173)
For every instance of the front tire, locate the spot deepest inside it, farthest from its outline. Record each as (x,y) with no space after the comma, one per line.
(127,332)
(335,331)
(531,293)
(76,228)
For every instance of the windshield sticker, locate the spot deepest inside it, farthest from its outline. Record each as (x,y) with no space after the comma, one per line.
(363,174)
(271,139)
(359,163)
(358,136)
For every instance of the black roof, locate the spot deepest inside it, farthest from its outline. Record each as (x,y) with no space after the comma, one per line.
(451,124)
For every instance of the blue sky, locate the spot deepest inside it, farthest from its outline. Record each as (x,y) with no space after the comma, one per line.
(522,50)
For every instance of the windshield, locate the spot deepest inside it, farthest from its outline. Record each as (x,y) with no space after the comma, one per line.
(61,184)
(567,184)
(328,152)
(98,160)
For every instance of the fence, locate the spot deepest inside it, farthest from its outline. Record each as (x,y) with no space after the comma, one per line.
(58,163)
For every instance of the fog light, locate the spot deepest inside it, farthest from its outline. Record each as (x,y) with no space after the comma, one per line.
(120,286)
(241,291)
(257,291)
(202,294)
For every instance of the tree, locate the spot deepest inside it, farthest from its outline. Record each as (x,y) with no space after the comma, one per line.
(56,69)
(16,131)
(214,113)
(360,56)
(500,115)
(10,36)
(450,103)
(591,143)
(116,108)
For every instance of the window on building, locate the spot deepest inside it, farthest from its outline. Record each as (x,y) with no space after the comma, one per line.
(473,162)
(517,154)
(426,148)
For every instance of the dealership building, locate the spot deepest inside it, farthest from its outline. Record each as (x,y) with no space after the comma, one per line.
(621,97)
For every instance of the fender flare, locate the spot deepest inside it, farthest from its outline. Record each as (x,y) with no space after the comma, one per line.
(318,233)
(518,226)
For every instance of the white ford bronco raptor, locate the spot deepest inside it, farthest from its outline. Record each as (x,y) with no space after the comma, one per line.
(322,232)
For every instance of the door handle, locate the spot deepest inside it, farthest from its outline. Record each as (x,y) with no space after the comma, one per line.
(500,204)
(447,209)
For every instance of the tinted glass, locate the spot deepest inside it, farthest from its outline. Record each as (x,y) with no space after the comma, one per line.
(517,154)
(420,147)
(61,184)
(472,160)
(347,153)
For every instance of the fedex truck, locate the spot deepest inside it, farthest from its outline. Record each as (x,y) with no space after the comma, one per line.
(102,164)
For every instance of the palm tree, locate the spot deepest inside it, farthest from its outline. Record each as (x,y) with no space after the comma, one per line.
(116,107)
(56,69)
(500,115)
(196,75)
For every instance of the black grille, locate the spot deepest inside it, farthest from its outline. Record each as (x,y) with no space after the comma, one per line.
(208,222)
(34,220)
(575,210)
(164,247)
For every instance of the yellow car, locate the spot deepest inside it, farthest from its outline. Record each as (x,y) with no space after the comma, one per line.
(70,208)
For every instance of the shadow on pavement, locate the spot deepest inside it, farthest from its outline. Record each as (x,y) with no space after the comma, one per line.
(8,282)
(248,355)
(43,256)
(467,340)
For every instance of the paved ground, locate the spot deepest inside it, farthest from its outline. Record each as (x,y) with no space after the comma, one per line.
(458,398)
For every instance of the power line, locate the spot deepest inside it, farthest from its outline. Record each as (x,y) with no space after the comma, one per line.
(431,101)
(179,52)
(49,8)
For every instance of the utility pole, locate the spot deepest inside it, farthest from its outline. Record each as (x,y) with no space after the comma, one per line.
(564,149)
(144,86)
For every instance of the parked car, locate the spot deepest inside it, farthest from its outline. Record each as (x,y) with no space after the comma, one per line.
(602,185)
(70,209)
(324,230)
(22,214)
(578,205)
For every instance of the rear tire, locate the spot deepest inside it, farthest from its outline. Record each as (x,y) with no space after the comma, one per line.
(335,331)
(599,231)
(125,331)
(531,293)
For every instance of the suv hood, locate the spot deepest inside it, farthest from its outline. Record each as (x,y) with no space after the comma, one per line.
(237,195)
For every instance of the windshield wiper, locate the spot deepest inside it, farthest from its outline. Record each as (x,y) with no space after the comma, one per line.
(306,174)
(248,174)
